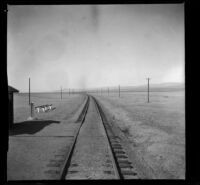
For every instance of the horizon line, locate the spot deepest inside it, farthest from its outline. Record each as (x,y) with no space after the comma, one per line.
(72,90)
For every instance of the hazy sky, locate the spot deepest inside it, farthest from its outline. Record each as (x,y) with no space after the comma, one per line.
(83,46)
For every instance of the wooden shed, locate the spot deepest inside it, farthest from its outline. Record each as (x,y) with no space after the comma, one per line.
(11,90)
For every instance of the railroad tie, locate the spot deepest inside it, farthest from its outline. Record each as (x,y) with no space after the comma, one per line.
(118,151)
(52,172)
(53,165)
(118,155)
(128,172)
(125,165)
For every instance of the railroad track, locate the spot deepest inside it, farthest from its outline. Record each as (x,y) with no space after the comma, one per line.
(81,119)
(124,166)
(96,152)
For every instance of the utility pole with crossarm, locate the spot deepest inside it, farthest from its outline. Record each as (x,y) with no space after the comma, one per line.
(148,89)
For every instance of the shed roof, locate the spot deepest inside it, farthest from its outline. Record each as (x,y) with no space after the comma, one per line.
(11,89)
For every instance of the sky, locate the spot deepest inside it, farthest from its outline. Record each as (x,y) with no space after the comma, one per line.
(87,46)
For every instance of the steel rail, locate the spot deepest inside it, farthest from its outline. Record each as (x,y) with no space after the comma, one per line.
(81,119)
(123,165)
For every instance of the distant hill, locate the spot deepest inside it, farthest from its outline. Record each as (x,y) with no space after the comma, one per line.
(170,86)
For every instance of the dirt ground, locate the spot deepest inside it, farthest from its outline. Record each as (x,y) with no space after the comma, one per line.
(35,145)
(63,108)
(157,129)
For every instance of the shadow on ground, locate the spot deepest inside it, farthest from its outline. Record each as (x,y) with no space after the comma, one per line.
(29,127)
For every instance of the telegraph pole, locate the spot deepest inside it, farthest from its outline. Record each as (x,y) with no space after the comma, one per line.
(61,93)
(119,90)
(31,104)
(29,93)
(69,91)
(108,91)
(148,89)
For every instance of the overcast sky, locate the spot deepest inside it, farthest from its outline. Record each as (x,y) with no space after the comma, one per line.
(84,46)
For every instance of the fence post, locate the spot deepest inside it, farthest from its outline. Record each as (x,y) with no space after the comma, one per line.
(32,112)
(32,109)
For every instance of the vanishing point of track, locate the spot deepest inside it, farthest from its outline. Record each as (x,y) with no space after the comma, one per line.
(105,143)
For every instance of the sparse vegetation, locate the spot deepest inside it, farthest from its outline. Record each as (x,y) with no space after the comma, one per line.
(156,128)
(126,130)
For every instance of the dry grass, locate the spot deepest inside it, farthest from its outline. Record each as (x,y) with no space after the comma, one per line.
(126,130)
(156,128)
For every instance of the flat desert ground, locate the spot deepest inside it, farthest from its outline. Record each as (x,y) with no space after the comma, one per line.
(34,144)
(65,107)
(156,129)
